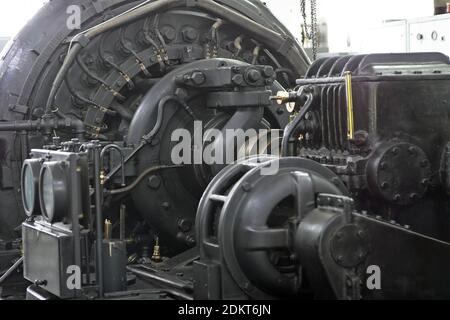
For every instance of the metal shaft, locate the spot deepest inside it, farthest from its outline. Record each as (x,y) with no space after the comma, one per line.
(99,219)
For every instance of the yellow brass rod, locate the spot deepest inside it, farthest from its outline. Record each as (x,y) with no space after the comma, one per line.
(349,96)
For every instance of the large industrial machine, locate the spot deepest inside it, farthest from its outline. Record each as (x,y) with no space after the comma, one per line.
(96,205)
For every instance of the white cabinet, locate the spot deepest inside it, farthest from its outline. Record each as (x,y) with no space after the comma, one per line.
(391,37)
(430,34)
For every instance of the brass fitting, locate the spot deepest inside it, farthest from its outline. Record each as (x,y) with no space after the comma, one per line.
(281,97)
(156,257)
(102,178)
(108,230)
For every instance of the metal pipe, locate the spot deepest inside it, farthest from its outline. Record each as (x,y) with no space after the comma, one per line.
(349,100)
(134,293)
(99,217)
(75,208)
(140,178)
(122,159)
(155,277)
(146,139)
(11,270)
(43,125)
(292,127)
(123,212)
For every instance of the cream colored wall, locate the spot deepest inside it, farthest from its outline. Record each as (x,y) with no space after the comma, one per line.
(349,20)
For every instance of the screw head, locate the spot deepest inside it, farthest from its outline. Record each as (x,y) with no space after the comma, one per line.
(254,75)
(268,71)
(154,182)
(189,34)
(198,78)
(168,33)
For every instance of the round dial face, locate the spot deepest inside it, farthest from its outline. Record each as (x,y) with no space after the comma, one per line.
(29,189)
(48,194)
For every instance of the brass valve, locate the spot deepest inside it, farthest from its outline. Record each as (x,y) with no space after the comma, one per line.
(102,178)
(281,97)
(156,257)
(108,230)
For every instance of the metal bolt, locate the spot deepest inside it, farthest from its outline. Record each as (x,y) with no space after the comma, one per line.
(384,185)
(268,71)
(189,34)
(168,33)
(198,78)
(395,151)
(165,205)
(383,166)
(254,75)
(154,182)
(397,197)
(413,196)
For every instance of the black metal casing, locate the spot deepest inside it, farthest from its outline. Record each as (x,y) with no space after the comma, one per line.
(401,105)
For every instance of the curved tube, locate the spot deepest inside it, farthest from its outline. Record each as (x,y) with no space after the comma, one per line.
(140,178)
(146,139)
(122,159)
(292,127)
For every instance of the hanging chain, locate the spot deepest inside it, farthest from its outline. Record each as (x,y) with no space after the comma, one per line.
(311,29)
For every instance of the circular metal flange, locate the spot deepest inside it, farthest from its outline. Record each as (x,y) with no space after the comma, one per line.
(245,231)
(399,173)
(349,246)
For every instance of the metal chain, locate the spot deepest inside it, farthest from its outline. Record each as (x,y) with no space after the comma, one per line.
(312,34)
(305,20)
